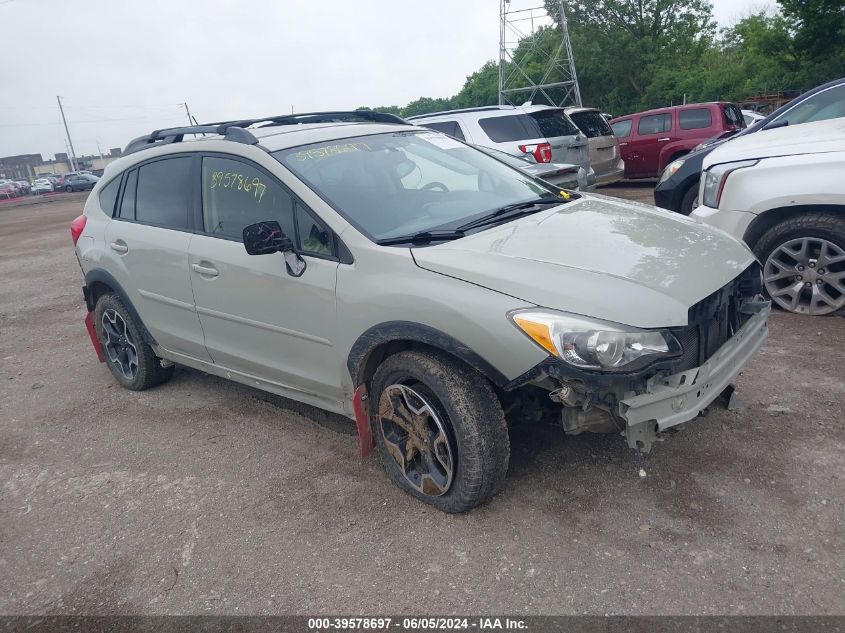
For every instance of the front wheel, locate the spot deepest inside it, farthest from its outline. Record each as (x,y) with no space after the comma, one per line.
(440,430)
(690,200)
(69,189)
(804,263)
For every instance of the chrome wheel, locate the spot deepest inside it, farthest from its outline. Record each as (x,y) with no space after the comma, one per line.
(120,348)
(806,275)
(415,437)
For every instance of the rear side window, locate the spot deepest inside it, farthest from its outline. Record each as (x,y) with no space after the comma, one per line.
(695,118)
(622,129)
(108,196)
(236,194)
(593,124)
(163,197)
(447,127)
(654,124)
(127,206)
(554,123)
(513,127)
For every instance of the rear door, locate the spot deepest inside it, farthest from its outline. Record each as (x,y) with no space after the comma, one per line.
(148,241)
(258,319)
(652,132)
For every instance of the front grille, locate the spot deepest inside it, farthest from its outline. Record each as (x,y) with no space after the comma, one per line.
(716,318)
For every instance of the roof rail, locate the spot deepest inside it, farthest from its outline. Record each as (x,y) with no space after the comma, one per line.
(317,117)
(476,109)
(236,130)
(230,131)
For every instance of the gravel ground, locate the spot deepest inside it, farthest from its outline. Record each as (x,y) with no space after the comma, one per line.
(204,496)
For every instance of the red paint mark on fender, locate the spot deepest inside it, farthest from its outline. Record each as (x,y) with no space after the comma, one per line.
(362,421)
(89,325)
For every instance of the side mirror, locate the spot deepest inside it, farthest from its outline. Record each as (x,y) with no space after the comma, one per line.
(265,238)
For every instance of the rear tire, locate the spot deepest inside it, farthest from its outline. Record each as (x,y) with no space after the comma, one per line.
(447,417)
(804,263)
(131,361)
(69,189)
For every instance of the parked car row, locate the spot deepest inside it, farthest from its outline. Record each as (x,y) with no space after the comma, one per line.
(73,181)
(568,138)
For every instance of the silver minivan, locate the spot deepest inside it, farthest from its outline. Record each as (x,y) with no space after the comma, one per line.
(545,132)
(605,157)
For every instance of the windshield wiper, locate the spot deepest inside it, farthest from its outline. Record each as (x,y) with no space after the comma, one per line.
(424,237)
(505,212)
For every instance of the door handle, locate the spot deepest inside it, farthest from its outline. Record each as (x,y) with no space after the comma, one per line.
(662,140)
(622,144)
(119,247)
(205,271)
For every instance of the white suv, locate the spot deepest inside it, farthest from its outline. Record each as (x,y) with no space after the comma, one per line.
(545,133)
(783,192)
(413,283)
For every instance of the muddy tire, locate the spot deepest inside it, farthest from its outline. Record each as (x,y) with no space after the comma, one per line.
(439,430)
(131,361)
(803,261)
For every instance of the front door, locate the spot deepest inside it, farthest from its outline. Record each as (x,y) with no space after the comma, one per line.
(258,319)
(652,133)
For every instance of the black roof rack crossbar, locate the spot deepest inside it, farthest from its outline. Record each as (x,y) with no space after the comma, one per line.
(166,136)
(236,130)
(317,117)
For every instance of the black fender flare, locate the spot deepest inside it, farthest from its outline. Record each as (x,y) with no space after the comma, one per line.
(361,362)
(98,275)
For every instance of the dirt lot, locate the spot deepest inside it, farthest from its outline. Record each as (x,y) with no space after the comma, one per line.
(203,496)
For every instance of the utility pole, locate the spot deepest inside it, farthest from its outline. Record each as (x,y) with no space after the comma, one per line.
(67,131)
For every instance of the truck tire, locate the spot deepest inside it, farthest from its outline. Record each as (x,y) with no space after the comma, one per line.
(439,429)
(803,261)
(131,361)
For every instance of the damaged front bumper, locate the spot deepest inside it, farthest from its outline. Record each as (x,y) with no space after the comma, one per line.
(672,400)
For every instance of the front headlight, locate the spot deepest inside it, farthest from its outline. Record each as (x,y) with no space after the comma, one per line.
(715,179)
(594,345)
(671,169)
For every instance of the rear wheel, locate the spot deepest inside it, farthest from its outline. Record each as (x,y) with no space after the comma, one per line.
(440,430)
(804,263)
(131,361)
(69,189)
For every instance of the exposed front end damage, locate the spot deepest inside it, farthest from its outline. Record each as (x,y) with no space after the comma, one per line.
(723,333)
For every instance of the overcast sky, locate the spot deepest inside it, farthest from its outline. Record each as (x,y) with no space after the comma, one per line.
(124,67)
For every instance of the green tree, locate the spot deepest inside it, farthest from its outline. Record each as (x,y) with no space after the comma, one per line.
(819,37)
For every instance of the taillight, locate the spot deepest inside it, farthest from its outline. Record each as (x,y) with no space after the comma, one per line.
(542,152)
(76,228)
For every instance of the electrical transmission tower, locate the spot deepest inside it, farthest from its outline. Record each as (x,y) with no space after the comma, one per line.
(521,27)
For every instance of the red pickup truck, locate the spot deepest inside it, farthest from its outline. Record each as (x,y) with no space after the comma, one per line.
(651,140)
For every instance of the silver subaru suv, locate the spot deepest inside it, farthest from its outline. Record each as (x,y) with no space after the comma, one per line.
(421,287)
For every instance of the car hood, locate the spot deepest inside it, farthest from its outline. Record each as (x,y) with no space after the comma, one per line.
(806,138)
(600,257)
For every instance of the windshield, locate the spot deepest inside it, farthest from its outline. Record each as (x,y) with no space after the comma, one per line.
(389,185)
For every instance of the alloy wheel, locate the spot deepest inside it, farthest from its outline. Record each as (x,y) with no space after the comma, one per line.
(415,437)
(806,275)
(120,347)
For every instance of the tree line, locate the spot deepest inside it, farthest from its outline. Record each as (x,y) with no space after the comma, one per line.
(631,55)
